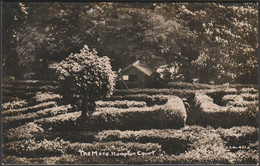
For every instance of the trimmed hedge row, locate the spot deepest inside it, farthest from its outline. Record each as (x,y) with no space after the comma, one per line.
(218,116)
(14,121)
(57,147)
(60,122)
(17,93)
(180,93)
(227,98)
(25,110)
(206,147)
(242,103)
(29,88)
(241,157)
(30,82)
(28,130)
(46,96)
(120,104)
(186,85)
(239,136)
(249,97)
(149,99)
(170,115)
(14,104)
(249,90)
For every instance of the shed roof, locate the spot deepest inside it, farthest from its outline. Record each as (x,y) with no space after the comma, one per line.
(146,70)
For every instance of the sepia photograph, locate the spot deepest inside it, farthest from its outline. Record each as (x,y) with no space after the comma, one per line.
(129,83)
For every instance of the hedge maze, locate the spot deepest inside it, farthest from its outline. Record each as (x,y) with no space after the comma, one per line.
(184,124)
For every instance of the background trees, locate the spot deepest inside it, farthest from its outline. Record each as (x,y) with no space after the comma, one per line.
(207,40)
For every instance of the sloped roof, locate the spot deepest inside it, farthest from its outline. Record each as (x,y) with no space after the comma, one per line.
(146,70)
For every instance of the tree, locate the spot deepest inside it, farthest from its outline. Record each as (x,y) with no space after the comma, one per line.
(85,78)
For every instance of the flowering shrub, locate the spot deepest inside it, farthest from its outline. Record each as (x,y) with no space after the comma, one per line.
(85,76)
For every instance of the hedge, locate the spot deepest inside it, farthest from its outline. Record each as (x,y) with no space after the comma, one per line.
(57,147)
(170,115)
(206,147)
(14,121)
(243,157)
(60,122)
(249,97)
(29,109)
(249,90)
(149,99)
(172,141)
(239,136)
(47,96)
(14,104)
(186,85)
(28,130)
(218,116)
(30,82)
(227,98)
(17,93)
(242,103)
(180,93)
(120,104)
(29,88)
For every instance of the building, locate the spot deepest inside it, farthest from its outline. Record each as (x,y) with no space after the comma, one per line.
(136,75)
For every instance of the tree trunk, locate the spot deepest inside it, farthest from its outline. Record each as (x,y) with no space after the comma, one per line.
(84,106)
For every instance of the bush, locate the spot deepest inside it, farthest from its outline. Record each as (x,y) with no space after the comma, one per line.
(218,116)
(85,78)
(120,104)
